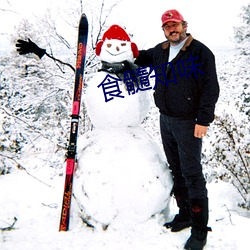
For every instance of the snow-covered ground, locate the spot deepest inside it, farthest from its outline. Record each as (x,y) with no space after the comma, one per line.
(37,208)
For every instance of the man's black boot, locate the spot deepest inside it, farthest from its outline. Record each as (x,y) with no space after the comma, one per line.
(181,220)
(199,215)
(197,240)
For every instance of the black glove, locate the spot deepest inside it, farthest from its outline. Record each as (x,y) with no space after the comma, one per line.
(24,47)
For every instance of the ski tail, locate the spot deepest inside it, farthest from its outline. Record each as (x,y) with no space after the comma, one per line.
(71,153)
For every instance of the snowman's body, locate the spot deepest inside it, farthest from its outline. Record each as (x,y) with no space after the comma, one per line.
(118,112)
(122,177)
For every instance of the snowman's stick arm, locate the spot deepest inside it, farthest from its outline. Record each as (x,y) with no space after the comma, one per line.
(57,60)
(25,47)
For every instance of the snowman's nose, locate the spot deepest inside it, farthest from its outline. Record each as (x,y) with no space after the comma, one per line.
(117,48)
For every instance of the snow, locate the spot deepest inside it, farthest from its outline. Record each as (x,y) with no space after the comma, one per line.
(127,111)
(121,178)
(37,208)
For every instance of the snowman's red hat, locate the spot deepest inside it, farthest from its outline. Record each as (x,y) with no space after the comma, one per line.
(116,32)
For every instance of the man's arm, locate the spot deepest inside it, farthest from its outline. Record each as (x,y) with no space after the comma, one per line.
(209,89)
(145,58)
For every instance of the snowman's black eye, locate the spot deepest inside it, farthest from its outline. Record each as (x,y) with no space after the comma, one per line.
(123,44)
(109,45)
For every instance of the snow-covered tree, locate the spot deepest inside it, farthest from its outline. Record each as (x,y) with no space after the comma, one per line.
(242,33)
(36,95)
(230,154)
(34,104)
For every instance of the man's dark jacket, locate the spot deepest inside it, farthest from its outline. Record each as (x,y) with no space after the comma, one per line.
(190,97)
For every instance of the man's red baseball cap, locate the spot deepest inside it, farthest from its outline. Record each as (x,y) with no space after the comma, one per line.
(171,16)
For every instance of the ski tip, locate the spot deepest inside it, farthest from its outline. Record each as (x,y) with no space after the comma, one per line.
(83,19)
(83,16)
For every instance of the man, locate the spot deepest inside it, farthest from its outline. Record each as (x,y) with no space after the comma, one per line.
(186,93)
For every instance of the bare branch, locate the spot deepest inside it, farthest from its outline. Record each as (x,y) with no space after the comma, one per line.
(102,21)
(10,227)
(57,60)
(19,166)
(1,9)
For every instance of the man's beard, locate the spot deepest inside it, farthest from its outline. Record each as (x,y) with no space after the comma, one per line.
(182,36)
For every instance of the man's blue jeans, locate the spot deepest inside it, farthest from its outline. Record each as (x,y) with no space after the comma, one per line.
(183,152)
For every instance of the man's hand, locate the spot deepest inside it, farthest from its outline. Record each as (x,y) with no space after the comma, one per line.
(200,131)
(24,47)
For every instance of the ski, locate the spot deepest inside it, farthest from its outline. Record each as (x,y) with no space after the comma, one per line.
(71,152)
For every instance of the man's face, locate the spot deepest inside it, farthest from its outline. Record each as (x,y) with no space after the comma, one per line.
(174,32)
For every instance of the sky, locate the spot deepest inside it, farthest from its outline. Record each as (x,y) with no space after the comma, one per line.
(211,22)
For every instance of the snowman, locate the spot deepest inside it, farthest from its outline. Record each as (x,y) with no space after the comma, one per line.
(122,178)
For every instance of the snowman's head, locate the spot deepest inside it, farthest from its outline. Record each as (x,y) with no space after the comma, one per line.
(116,46)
